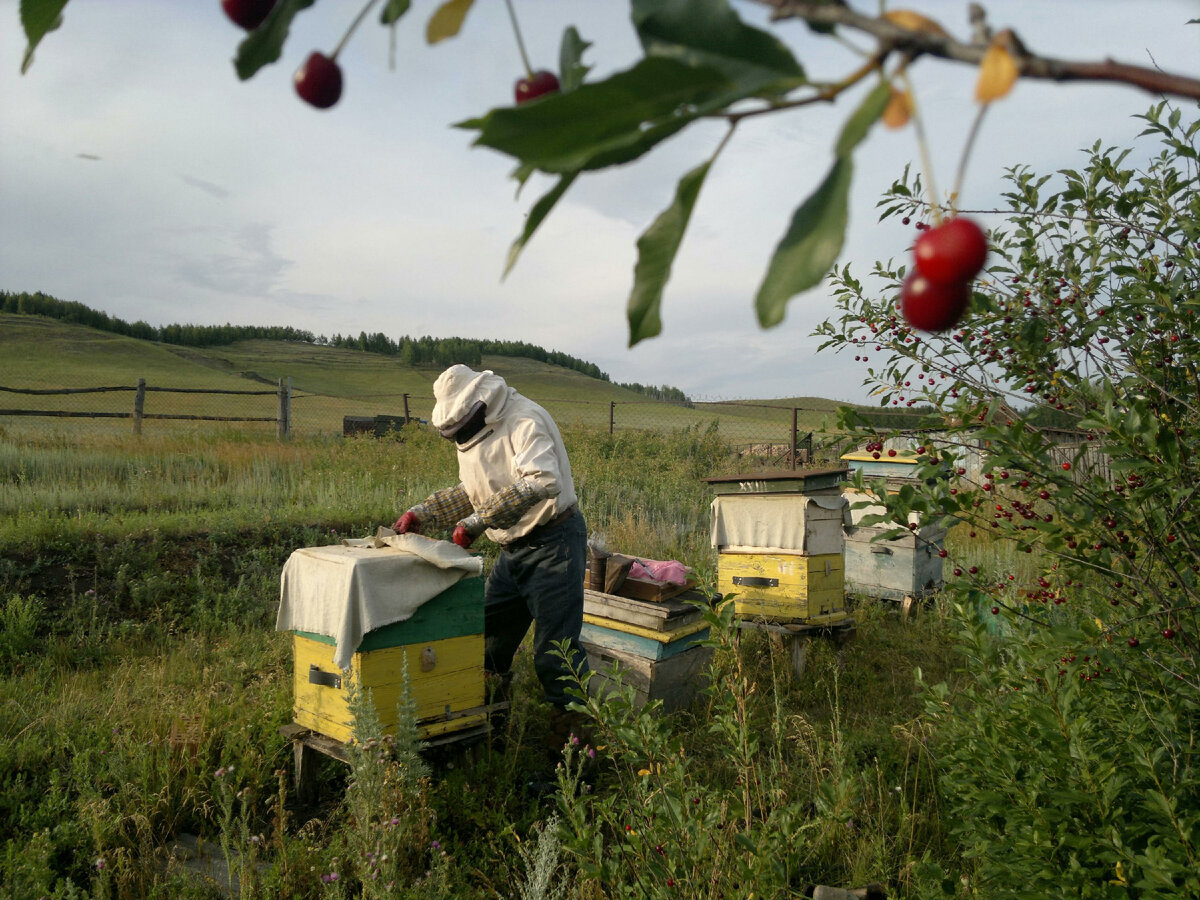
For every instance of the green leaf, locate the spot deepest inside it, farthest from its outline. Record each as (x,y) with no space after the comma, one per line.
(818,229)
(709,33)
(571,70)
(540,210)
(860,122)
(393,10)
(656,254)
(604,123)
(264,45)
(810,247)
(38,18)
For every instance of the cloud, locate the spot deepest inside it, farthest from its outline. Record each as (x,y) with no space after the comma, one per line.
(213,190)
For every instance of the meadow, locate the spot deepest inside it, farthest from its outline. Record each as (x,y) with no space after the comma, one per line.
(143,688)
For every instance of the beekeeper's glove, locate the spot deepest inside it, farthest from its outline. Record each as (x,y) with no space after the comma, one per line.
(467,530)
(407,523)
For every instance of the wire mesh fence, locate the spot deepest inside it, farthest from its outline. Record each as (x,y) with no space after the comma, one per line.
(760,434)
(771,434)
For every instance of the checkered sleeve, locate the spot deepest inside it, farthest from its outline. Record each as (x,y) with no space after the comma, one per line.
(505,507)
(442,509)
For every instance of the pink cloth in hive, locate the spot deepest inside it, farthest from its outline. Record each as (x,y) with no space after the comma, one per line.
(670,570)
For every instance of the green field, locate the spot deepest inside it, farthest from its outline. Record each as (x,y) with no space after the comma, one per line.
(327,384)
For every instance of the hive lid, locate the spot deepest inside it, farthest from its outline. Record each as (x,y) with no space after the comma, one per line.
(778,481)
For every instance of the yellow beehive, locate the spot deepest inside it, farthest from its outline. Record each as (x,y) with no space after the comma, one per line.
(784,587)
(443,646)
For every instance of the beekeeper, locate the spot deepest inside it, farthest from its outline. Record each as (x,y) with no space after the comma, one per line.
(515,485)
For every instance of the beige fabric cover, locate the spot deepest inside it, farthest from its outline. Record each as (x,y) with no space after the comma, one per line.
(793,523)
(345,591)
(519,441)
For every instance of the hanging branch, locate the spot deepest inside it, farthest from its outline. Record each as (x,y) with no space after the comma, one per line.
(943,46)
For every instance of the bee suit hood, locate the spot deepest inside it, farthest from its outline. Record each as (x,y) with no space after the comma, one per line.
(459,389)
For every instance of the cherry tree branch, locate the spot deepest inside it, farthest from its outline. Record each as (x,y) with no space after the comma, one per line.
(944,46)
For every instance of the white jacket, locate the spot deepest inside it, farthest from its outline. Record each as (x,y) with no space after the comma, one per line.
(519,441)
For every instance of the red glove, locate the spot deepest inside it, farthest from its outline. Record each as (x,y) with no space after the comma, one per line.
(407,523)
(462,537)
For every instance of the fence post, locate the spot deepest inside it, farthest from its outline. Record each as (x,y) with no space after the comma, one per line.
(406,409)
(282,423)
(612,415)
(139,406)
(795,435)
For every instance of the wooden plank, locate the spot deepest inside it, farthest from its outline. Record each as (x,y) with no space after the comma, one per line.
(654,591)
(639,644)
(661,636)
(665,615)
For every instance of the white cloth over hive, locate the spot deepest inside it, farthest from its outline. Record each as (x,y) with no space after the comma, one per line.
(345,591)
(792,523)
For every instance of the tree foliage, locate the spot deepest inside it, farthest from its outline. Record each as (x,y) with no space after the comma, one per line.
(1070,763)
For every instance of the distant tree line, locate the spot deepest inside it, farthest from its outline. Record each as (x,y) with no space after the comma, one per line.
(423,351)
(659,392)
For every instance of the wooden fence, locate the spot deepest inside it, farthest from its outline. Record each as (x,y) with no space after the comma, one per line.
(138,415)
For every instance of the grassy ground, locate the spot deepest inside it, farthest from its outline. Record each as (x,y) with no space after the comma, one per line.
(143,687)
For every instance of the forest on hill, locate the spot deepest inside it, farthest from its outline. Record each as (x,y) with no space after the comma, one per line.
(422,351)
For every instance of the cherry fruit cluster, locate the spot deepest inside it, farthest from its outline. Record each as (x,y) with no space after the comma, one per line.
(318,81)
(946,258)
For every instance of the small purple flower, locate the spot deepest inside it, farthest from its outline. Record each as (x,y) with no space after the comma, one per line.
(574,740)
(395,820)
(591,752)
(434,845)
(220,773)
(100,863)
(90,592)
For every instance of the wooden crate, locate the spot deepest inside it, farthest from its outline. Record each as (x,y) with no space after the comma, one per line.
(675,680)
(443,645)
(785,587)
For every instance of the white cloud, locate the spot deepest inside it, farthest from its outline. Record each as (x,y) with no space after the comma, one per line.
(214,200)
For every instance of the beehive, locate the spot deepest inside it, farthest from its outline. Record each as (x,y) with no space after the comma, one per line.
(781,545)
(893,569)
(653,646)
(443,645)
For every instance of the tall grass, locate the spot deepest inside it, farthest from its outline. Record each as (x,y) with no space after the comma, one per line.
(138,587)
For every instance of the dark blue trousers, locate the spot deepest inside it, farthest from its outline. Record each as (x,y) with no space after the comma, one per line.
(538,580)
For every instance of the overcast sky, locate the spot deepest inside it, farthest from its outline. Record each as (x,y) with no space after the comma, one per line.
(139,176)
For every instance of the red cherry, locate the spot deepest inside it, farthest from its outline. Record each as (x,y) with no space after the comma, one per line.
(319,81)
(954,251)
(995,610)
(930,305)
(540,82)
(247,14)
(1168,633)
(1133,642)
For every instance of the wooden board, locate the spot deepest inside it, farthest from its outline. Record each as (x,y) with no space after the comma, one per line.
(654,591)
(779,481)
(643,642)
(662,615)
(675,681)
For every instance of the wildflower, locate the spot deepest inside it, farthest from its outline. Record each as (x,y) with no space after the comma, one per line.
(434,845)
(90,592)
(591,752)
(220,773)
(100,863)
